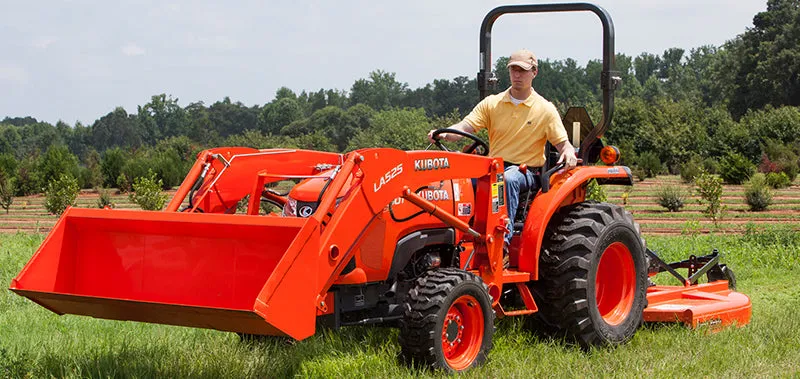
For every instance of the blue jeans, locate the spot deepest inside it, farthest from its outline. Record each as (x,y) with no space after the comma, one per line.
(516,183)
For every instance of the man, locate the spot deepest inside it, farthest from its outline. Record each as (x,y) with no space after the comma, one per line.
(519,122)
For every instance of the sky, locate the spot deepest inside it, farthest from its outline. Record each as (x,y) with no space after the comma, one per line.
(77,60)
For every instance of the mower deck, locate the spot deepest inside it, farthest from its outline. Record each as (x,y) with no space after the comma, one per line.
(708,304)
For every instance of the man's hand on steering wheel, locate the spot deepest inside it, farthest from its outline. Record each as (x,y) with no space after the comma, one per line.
(430,136)
(568,155)
(478,146)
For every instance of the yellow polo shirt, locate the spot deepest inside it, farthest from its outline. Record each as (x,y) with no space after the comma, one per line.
(517,133)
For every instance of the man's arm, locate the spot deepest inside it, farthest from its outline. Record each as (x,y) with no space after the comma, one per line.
(462,126)
(567,152)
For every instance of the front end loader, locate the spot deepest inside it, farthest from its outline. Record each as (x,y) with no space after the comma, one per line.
(278,242)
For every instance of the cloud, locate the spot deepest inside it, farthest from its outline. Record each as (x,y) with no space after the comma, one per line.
(216,42)
(43,42)
(132,50)
(13,73)
(172,7)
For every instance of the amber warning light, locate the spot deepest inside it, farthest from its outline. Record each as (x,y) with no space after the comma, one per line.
(609,155)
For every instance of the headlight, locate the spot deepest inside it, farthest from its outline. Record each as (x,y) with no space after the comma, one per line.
(294,208)
(290,208)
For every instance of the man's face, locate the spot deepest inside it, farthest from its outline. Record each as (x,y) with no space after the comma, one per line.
(521,79)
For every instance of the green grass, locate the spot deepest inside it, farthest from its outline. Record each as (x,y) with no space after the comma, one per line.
(37,343)
(725,216)
(693,205)
(688,228)
(726,196)
(31,217)
(633,200)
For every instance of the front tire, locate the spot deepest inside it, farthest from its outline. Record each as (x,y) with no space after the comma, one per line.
(449,321)
(593,278)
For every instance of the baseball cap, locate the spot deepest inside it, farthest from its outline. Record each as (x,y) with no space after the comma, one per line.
(524,59)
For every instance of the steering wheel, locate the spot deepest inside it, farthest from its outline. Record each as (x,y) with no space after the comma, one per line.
(478,146)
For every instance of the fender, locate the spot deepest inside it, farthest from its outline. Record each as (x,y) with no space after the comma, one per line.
(413,242)
(565,188)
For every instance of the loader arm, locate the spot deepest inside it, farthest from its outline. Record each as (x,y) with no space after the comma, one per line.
(227,174)
(326,242)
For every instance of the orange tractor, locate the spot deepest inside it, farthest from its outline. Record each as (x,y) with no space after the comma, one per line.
(386,237)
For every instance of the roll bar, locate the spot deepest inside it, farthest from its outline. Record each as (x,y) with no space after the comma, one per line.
(609,79)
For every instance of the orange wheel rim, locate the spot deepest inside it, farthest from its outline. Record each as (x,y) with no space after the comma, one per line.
(462,332)
(615,285)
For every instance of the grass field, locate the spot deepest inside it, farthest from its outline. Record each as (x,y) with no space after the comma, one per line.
(37,343)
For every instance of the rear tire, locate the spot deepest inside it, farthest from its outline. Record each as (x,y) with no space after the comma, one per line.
(449,321)
(593,275)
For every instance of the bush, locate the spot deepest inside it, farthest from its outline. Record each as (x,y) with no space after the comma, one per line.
(639,173)
(791,169)
(691,228)
(778,180)
(241,206)
(28,182)
(779,157)
(257,140)
(105,198)
(111,165)
(757,193)
(8,186)
(671,197)
(596,192)
(709,187)
(166,160)
(769,235)
(60,194)
(711,165)
(315,141)
(626,194)
(139,166)
(690,169)
(169,168)
(403,129)
(735,168)
(767,165)
(649,164)
(123,184)
(8,166)
(92,174)
(56,161)
(265,208)
(147,192)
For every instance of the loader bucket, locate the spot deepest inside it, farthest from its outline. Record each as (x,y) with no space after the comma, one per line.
(199,270)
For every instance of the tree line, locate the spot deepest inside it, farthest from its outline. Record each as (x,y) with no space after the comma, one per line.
(735,104)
